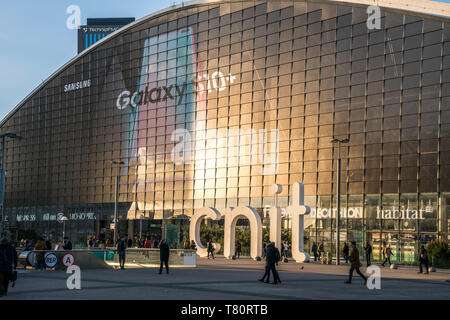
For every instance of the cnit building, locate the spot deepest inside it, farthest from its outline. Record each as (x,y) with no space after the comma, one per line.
(209,103)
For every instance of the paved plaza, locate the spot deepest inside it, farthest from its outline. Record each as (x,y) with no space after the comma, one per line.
(231,279)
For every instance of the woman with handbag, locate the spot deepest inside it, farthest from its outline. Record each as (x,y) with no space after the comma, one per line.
(8,265)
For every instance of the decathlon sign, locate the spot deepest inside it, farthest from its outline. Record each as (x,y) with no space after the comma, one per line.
(297,210)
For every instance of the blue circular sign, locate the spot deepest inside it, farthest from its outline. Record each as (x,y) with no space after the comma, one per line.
(50,259)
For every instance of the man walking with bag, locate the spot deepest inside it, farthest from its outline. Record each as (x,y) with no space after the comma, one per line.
(8,263)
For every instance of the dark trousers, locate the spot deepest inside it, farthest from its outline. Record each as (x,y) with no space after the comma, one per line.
(346,258)
(357,271)
(268,269)
(212,253)
(315,256)
(276,276)
(238,253)
(4,281)
(166,263)
(388,259)
(425,262)
(368,259)
(122,259)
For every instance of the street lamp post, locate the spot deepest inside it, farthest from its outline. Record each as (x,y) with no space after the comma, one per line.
(13,135)
(116,218)
(64,219)
(338,191)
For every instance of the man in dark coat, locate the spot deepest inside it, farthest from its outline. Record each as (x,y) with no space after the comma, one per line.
(354,260)
(368,250)
(164,253)
(423,259)
(121,250)
(274,270)
(271,259)
(8,262)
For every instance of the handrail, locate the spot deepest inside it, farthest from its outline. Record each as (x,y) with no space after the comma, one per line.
(112,249)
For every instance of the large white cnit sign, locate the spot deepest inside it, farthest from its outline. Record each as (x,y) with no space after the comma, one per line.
(297,210)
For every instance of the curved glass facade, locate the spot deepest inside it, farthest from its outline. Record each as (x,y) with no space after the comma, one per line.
(209,105)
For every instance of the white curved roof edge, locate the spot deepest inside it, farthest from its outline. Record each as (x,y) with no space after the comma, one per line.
(416,6)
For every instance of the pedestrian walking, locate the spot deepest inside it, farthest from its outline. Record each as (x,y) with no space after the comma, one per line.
(271,260)
(90,242)
(346,252)
(423,259)
(130,243)
(387,255)
(40,246)
(121,250)
(284,250)
(238,250)
(8,263)
(67,245)
(368,250)
(314,250)
(164,253)
(155,244)
(210,249)
(355,264)
(321,250)
(277,259)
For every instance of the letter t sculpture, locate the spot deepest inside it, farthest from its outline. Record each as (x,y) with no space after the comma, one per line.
(297,210)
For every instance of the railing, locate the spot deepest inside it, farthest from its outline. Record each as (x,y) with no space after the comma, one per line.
(97,258)
(150,257)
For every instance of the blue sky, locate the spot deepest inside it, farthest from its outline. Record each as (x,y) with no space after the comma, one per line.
(35,41)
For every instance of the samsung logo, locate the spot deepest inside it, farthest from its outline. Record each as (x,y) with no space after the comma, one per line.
(77,85)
